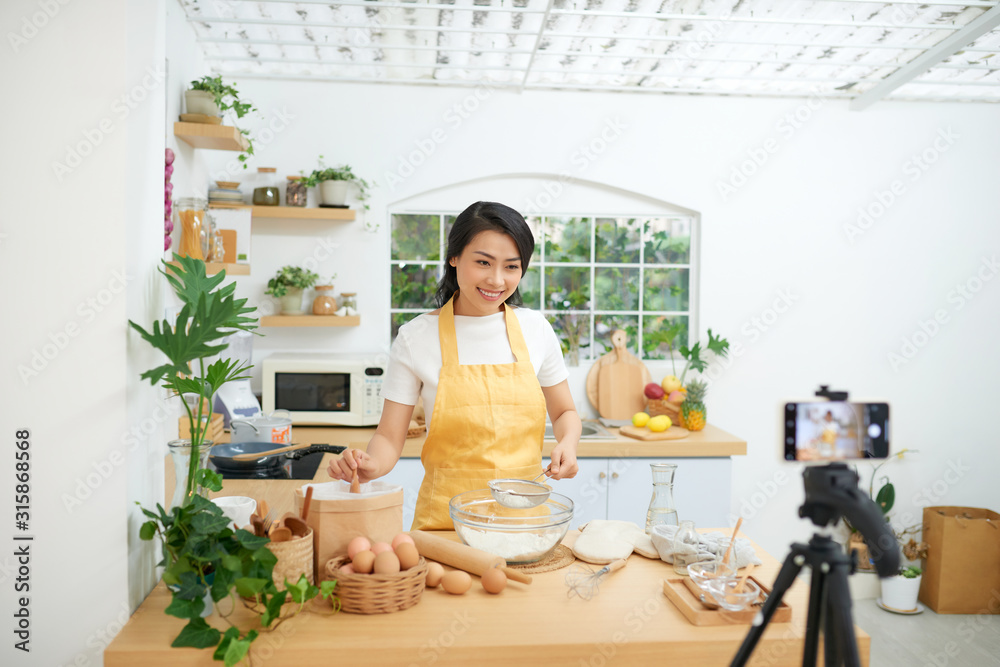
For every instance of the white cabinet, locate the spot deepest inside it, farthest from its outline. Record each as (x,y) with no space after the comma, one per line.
(618,488)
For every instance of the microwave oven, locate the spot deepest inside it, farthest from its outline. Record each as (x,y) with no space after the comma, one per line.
(324,389)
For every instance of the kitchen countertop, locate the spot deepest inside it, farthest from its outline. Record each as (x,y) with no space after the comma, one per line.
(711,442)
(628,622)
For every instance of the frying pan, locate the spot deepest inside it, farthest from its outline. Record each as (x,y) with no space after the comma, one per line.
(221,456)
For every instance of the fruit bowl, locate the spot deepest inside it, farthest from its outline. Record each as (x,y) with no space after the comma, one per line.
(516,535)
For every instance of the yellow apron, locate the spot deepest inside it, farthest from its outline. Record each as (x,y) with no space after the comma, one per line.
(488,423)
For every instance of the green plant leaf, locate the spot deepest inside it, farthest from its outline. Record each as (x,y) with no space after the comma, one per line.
(147,531)
(185,608)
(189,584)
(250,541)
(718,345)
(238,648)
(272,610)
(209,523)
(227,638)
(224,578)
(301,590)
(886,497)
(209,479)
(327,587)
(197,634)
(249,586)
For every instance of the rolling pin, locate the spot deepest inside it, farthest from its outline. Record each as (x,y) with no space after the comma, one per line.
(461,556)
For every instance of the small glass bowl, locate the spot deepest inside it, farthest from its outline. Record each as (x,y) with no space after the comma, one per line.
(705,571)
(724,592)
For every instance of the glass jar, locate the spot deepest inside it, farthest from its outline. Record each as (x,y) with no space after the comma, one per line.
(661,505)
(218,247)
(324,303)
(685,548)
(295,191)
(725,552)
(349,302)
(191,215)
(266,193)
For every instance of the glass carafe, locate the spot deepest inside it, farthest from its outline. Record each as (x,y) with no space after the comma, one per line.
(661,506)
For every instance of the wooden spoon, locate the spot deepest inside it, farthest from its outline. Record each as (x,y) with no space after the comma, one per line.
(281,534)
(743,579)
(294,523)
(355,483)
(732,541)
(305,505)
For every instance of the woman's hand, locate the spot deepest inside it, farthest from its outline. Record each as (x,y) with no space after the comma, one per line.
(351,460)
(563,464)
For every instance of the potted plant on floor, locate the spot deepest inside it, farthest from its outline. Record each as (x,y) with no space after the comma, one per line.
(899,593)
(209,96)
(334,182)
(288,284)
(204,559)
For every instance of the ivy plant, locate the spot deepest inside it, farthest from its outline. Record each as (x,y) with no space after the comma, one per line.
(341,173)
(290,277)
(227,98)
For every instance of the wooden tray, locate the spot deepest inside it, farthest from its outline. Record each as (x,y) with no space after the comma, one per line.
(672,433)
(697,613)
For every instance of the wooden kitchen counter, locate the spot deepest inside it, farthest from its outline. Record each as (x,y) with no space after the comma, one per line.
(711,442)
(629,622)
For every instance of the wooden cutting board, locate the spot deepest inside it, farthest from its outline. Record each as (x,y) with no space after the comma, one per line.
(619,384)
(617,356)
(672,433)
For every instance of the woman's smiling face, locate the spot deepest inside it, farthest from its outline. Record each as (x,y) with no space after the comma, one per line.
(488,271)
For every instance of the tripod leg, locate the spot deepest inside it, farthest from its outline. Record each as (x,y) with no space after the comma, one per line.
(817,602)
(786,577)
(839,609)
(831,634)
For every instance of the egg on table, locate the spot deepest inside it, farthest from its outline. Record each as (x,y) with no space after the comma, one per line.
(456,582)
(494,580)
(435,573)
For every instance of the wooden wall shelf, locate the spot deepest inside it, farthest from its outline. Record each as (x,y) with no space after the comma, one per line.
(211,268)
(294,212)
(217,137)
(310,321)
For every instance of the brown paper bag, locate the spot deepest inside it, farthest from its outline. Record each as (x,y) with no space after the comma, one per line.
(375,513)
(962,568)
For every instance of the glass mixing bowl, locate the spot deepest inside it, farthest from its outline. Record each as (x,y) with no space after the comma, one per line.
(517,535)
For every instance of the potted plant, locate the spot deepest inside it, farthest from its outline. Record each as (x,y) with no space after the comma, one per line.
(899,593)
(287,285)
(204,559)
(334,182)
(211,97)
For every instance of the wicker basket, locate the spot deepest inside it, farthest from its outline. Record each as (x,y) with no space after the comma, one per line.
(295,558)
(660,406)
(377,593)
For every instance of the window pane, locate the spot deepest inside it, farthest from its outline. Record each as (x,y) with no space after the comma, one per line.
(668,241)
(665,289)
(398,320)
(573,332)
(616,288)
(413,285)
(605,325)
(567,240)
(416,237)
(531,288)
(535,224)
(617,240)
(449,222)
(567,288)
(658,331)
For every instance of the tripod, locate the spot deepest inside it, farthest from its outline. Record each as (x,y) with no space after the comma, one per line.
(831,492)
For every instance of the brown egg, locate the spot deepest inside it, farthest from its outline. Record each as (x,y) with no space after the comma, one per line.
(456,582)
(435,573)
(386,563)
(380,547)
(494,581)
(357,545)
(363,562)
(408,555)
(399,539)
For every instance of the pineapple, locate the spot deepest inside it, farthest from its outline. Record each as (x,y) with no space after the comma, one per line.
(693,407)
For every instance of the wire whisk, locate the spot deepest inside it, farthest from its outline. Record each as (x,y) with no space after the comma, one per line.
(583,581)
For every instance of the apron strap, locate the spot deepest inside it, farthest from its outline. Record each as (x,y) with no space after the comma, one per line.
(449,341)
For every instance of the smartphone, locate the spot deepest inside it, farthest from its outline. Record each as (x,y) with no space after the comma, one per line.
(836,431)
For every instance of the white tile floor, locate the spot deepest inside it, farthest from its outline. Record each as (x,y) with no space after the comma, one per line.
(929,639)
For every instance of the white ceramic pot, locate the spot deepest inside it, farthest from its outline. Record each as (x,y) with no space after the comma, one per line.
(334,192)
(238,509)
(201,101)
(901,593)
(291,303)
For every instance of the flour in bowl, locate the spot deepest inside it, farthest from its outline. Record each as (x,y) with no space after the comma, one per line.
(511,546)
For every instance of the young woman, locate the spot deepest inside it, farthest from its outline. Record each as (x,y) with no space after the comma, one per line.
(487,374)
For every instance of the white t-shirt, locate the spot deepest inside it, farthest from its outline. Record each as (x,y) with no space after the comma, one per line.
(415,358)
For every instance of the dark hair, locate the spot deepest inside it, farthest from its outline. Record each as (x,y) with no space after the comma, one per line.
(480,217)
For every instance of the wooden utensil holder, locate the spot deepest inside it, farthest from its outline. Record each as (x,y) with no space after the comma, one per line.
(295,558)
(376,593)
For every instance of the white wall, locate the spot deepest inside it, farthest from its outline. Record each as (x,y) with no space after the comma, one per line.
(781,235)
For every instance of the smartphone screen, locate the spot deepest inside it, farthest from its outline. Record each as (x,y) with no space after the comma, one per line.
(836,431)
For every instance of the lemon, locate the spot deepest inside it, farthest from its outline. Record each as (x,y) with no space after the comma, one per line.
(640,419)
(659,423)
